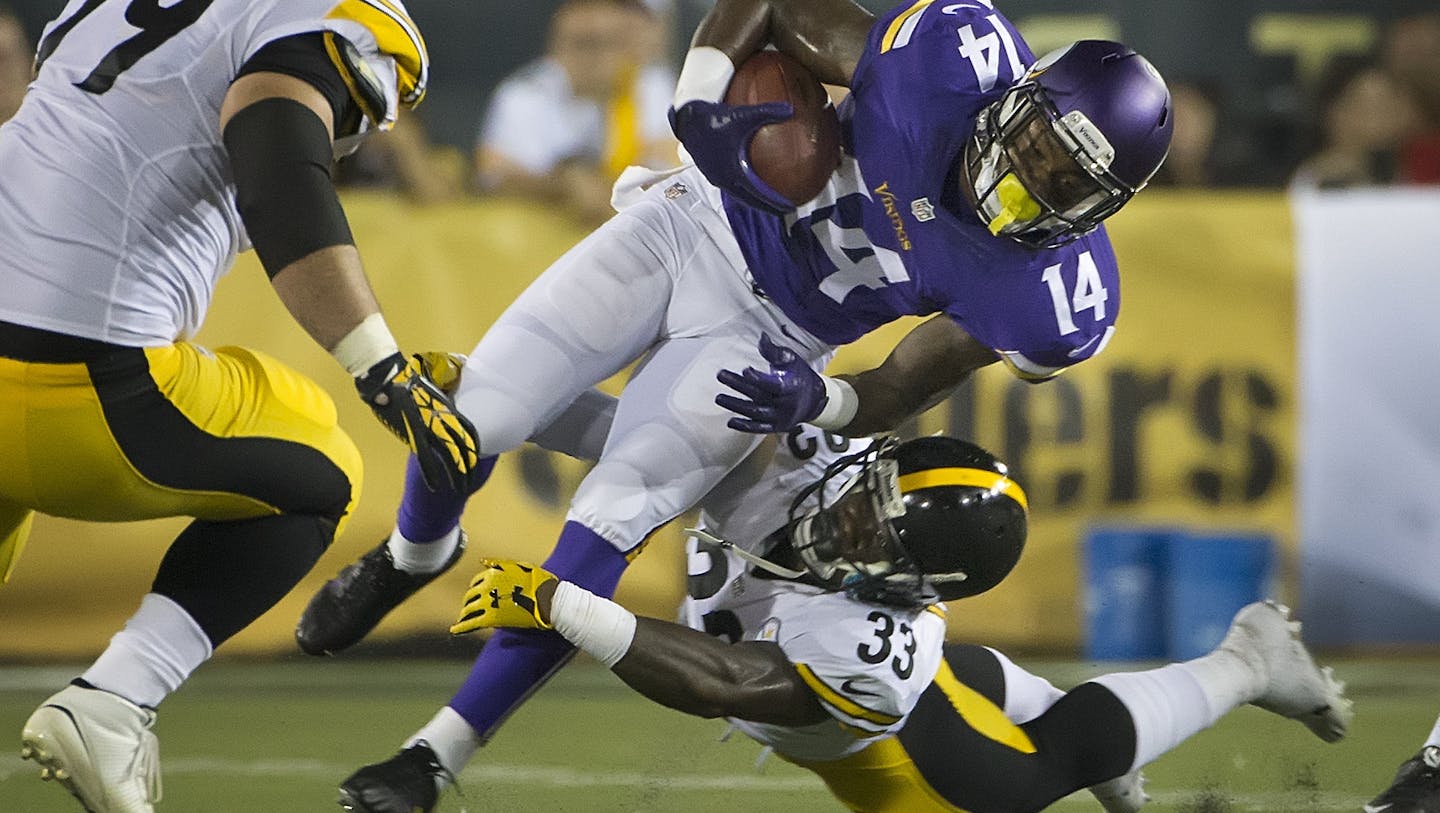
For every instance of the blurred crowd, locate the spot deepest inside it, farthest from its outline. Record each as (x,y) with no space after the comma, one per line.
(1370,119)
(562,127)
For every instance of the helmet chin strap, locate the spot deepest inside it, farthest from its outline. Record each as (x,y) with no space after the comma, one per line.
(759,561)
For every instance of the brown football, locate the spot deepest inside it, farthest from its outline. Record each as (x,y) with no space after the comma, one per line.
(796,156)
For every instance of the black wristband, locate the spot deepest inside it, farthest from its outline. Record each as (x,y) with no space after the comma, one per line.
(280,154)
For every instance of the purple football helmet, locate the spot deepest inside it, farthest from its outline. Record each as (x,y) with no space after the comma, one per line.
(1069,144)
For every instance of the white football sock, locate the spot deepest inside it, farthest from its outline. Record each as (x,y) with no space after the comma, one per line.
(451,738)
(1173,703)
(424,556)
(147,660)
(1434,735)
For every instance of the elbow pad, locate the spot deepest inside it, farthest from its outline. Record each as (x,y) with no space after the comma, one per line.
(280,154)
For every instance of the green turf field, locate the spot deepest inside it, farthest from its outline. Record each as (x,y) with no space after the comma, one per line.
(277,737)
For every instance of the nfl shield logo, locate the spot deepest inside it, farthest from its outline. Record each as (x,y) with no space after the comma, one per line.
(922,209)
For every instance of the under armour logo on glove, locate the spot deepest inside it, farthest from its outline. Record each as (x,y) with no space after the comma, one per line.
(502,595)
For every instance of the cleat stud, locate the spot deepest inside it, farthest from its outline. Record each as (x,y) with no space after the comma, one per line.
(26,752)
(45,774)
(62,774)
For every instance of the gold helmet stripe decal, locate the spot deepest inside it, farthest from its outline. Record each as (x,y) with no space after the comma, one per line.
(975,478)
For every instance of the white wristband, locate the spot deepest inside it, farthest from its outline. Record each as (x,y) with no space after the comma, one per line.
(841,404)
(596,626)
(705,75)
(365,346)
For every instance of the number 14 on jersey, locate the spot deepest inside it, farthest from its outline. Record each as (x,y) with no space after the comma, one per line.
(1089,294)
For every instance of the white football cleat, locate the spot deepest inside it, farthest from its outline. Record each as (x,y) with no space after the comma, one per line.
(1263,634)
(1123,794)
(99,746)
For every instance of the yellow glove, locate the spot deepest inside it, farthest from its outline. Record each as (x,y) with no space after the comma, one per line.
(502,594)
(411,399)
(443,368)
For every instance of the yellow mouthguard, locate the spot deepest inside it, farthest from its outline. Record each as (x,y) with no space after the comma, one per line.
(1016,203)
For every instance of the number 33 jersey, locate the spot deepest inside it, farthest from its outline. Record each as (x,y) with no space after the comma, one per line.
(117,212)
(867,664)
(891,235)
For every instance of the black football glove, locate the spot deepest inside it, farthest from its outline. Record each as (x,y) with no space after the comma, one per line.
(406,398)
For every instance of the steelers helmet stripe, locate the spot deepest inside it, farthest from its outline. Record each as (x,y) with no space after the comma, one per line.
(397,36)
(842,703)
(976,478)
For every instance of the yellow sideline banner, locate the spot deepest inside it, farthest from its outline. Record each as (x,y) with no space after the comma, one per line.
(1186,418)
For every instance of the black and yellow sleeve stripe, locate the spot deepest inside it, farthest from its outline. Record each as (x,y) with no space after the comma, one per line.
(397,36)
(861,716)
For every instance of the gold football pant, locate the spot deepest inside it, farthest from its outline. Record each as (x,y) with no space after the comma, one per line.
(234,438)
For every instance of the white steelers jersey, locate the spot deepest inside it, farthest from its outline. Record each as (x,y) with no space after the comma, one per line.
(867,663)
(117,205)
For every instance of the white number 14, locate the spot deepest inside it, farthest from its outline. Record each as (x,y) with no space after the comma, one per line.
(1089,293)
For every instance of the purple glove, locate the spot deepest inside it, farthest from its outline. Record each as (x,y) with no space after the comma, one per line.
(717,136)
(776,401)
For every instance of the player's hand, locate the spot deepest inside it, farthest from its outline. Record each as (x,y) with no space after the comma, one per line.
(443,368)
(777,400)
(717,136)
(503,594)
(410,399)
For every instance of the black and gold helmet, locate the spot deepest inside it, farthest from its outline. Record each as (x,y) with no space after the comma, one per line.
(909,524)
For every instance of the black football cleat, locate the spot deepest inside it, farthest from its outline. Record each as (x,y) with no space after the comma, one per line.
(404,783)
(1416,788)
(352,603)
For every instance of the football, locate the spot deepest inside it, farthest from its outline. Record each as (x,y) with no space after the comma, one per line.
(795,156)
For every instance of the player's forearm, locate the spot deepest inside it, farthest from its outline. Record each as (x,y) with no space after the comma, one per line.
(278,134)
(327,293)
(690,671)
(826,36)
(679,667)
(921,371)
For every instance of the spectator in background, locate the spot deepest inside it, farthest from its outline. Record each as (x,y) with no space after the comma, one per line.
(1365,117)
(1204,151)
(563,127)
(1192,146)
(16,63)
(1411,54)
(403,159)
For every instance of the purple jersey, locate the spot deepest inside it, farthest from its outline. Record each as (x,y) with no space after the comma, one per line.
(892,236)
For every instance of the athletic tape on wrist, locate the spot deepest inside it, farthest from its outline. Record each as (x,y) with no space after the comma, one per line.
(366,345)
(841,404)
(596,626)
(705,75)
